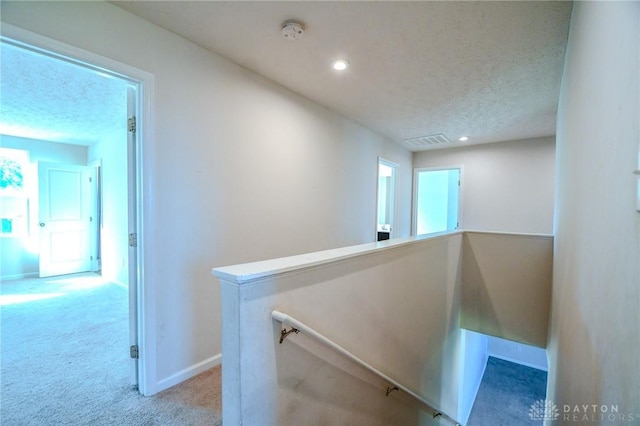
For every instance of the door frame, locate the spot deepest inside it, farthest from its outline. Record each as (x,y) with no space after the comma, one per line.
(144,319)
(414,207)
(394,209)
(96,214)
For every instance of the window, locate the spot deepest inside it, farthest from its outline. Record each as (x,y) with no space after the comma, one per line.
(436,200)
(14,201)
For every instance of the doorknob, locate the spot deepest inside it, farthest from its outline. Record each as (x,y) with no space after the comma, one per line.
(42,224)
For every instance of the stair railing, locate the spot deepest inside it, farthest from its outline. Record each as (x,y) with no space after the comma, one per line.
(299,327)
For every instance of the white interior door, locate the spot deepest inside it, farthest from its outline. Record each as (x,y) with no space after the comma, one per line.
(64,218)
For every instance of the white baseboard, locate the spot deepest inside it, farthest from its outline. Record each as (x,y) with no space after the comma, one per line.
(119,284)
(188,373)
(19,276)
(520,361)
(519,353)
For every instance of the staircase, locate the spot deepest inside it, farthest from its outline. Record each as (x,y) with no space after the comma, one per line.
(400,305)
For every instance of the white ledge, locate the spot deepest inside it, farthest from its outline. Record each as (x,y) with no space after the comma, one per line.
(508,234)
(249,272)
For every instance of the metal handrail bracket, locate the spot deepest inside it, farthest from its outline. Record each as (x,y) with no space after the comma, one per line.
(299,327)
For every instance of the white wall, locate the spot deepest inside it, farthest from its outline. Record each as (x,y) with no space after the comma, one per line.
(594,345)
(45,151)
(242,170)
(112,156)
(20,256)
(506,186)
(474,355)
(396,308)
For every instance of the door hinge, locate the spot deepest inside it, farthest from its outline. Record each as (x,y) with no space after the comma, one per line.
(134,351)
(131,124)
(133,240)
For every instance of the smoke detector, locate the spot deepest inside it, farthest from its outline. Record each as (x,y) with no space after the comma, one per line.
(292,29)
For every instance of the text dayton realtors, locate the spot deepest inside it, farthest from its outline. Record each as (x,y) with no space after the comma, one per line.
(596,413)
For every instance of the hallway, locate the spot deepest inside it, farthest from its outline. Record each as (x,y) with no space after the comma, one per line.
(507,393)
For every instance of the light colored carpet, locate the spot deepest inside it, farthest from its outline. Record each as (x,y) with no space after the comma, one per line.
(65,360)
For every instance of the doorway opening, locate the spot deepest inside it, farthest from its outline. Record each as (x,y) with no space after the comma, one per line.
(436,200)
(499,372)
(387,184)
(74,121)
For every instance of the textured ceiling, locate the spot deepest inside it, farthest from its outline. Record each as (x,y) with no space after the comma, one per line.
(489,70)
(54,100)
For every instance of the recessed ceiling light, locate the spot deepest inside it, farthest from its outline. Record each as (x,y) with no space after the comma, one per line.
(463,138)
(340,64)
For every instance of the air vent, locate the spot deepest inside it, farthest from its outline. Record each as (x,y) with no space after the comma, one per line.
(422,141)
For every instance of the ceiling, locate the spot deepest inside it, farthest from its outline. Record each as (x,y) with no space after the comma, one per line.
(54,100)
(487,70)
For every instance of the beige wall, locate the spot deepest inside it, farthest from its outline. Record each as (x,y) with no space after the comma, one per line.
(239,169)
(594,344)
(506,186)
(398,306)
(506,286)
(397,309)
